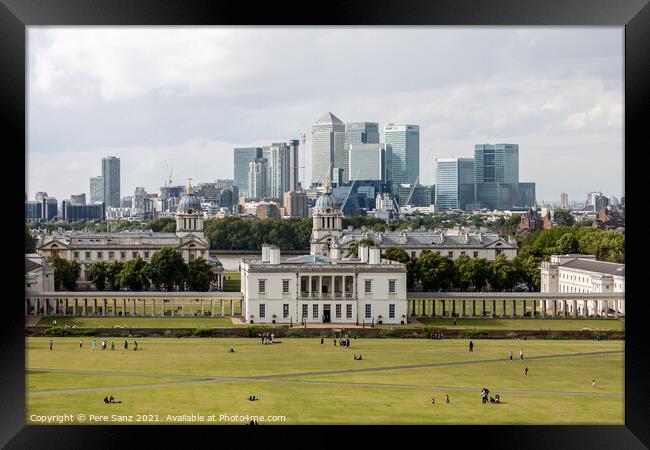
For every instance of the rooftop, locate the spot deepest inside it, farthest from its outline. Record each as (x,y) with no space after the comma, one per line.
(596,266)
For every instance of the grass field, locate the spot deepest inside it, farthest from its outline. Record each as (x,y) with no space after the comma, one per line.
(303,382)
(527,324)
(232,282)
(139,322)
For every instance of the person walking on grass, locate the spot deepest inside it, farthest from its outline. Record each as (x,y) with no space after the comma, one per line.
(81,343)
(510,356)
(526,370)
(521,355)
(50,344)
(593,384)
(471,346)
(322,340)
(447,400)
(126,345)
(112,345)
(433,400)
(94,344)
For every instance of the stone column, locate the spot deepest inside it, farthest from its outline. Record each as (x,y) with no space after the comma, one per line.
(575,309)
(232,310)
(222,308)
(472,307)
(192,307)
(616,305)
(183,310)
(523,308)
(533,312)
(153,307)
(211,307)
(514,305)
(173,308)
(554,308)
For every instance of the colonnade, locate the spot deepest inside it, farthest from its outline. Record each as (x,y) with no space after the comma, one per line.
(132,306)
(516,308)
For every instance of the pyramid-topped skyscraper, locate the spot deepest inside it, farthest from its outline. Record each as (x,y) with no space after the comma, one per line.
(328,147)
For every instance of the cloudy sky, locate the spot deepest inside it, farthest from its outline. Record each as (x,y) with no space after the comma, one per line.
(185,96)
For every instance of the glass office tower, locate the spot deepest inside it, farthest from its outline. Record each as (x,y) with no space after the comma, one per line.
(454,183)
(404,141)
(497,175)
(242,158)
(327,148)
(370,162)
(111,178)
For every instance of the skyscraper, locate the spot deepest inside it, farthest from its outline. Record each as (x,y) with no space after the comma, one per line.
(404,141)
(526,195)
(111,177)
(564,200)
(370,162)
(294,164)
(359,133)
(96,189)
(257,182)
(278,156)
(328,147)
(242,159)
(496,175)
(454,183)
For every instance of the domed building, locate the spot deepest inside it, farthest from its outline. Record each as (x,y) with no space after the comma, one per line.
(327,223)
(86,248)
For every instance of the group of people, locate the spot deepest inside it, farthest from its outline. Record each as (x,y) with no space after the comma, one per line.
(252,398)
(357,357)
(104,344)
(484,397)
(267,338)
(436,336)
(447,399)
(111,400)
(344,342)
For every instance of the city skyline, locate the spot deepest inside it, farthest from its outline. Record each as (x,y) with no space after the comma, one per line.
(557,93)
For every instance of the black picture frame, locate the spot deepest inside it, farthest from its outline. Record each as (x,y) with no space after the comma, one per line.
(634,15)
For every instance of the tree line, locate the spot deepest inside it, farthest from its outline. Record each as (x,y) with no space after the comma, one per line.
(165,271)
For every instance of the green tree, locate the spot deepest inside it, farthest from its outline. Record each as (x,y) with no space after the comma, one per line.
(563,217)
(133,275)
(528,271)
(434,271)
(396,254)
(98,274)
(168,270)
(66,272)
(113,270)
(501,274)
(464,272)
(567,244)
(30,241)
(199,275)
(480,270)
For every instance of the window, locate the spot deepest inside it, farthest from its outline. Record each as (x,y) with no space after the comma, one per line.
(76,255)
(413,255)
(87,255)
(146,255)
(262,286)
(498,251)
(475,254)
(285,286)
(111,255)
(368,311)
(304,311)
(122,255)
(391,286)
(463,253)
(285,310)
(368,286)
(134,255)
(262,310)
(348,311)
(99,255)
(450,254)
(191,256)
(338,311)
(391,311)
(315,312)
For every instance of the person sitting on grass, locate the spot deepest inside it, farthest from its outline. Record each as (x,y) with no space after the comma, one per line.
(252,398)
(491,399)
(106,400)
(497,399)
(111,399)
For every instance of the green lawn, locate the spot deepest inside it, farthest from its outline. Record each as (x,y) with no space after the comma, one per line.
(527,324)
(339,400)
(232,282)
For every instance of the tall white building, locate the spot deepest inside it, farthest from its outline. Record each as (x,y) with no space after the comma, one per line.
(564,200)
(328,147)
(257,178)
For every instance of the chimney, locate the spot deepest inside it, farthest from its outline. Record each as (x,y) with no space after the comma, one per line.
(374,256)
(362,253)
(274,254)
(265,252)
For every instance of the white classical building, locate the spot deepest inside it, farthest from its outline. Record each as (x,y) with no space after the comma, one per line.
(317,288)
(86,248)
(582,274)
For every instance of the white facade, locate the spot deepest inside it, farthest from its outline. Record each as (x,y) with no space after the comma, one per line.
(582,274)
(321,289)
